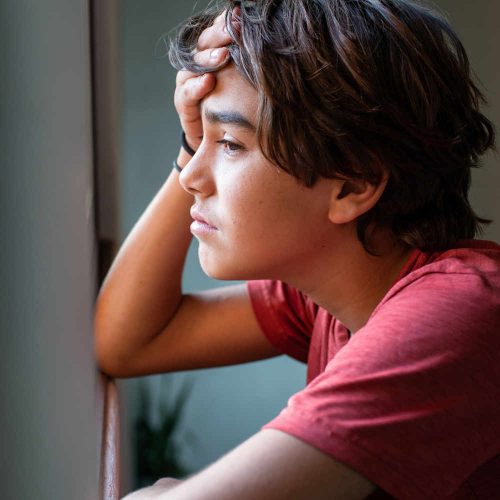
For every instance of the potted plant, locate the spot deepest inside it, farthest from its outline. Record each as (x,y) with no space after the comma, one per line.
(157,446)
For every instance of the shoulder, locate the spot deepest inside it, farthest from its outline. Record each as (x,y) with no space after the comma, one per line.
(446,311)
(459,284)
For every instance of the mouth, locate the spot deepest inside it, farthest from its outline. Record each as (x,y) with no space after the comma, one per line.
(200,223)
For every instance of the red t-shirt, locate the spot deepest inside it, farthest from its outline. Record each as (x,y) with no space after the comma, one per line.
(412,400)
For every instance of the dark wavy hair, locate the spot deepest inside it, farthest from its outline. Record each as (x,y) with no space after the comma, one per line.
(350,88)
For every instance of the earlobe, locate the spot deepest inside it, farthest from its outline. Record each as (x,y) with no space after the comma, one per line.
(351,198)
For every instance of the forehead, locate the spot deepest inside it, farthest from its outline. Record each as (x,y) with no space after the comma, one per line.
(232,93)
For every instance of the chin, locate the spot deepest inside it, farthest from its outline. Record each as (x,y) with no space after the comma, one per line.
(226,271)
(234,273)
(231,266)
(222,273)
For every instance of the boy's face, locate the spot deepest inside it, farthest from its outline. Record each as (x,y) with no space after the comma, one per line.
(261,222)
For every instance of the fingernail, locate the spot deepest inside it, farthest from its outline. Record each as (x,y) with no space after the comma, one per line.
(215,53)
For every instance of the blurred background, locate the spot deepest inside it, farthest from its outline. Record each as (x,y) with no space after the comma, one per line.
(89,132)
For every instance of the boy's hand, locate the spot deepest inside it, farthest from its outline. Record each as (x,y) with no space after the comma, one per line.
(191,88)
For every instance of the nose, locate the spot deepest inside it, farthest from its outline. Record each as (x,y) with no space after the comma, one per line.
(196,177)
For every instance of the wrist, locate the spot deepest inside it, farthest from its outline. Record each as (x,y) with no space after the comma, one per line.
(189,145)
(186,152)
(183,158)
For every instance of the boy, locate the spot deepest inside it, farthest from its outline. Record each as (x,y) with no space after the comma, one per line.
(326,160)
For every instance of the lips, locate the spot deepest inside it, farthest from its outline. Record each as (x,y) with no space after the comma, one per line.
(201,219)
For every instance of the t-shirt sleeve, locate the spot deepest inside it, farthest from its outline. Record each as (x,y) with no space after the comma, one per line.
(411,402)
(285,315)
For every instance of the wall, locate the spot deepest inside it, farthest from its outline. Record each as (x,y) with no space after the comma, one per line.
(477,25)
(50,417)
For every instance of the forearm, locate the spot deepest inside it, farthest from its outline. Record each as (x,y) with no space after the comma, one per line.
(143,287)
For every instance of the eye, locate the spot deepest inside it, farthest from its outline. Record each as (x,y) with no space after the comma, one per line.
(229,147)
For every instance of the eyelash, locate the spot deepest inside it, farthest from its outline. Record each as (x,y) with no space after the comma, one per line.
(231,148)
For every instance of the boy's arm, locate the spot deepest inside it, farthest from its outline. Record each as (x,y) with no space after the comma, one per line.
(143,323)
(271,465)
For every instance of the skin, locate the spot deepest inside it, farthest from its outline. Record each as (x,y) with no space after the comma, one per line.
(271,465)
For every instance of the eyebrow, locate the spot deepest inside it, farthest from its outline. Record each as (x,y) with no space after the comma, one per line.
(229,117)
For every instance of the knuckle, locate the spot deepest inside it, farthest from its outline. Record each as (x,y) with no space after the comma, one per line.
(202,44)
(221,18)
(199,57)
(185,93)
(191,90)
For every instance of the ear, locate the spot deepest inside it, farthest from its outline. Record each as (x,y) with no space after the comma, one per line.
(352,198)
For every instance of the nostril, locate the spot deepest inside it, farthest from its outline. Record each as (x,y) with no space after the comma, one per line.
(186,181)
(197,177)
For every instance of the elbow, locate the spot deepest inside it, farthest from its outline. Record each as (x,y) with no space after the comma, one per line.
(115,367)
(107,354)
(105,359)
(109,363)
(110,355)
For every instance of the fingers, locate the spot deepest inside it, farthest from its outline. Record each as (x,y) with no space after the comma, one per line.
(215,35)
(191,88)
(187,98)
(212,57)
(194,84)
(194,89)
(183,76)
(187,103)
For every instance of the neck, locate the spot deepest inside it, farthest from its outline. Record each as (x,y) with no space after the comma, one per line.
(349,282)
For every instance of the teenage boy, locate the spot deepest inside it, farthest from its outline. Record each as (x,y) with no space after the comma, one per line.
(327,154)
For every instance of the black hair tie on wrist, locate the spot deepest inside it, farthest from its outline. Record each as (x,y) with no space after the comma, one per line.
(186,146)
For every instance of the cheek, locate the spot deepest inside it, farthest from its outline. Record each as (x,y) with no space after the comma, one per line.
(263,207)
(248,210)
(268,228)
(266,223)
